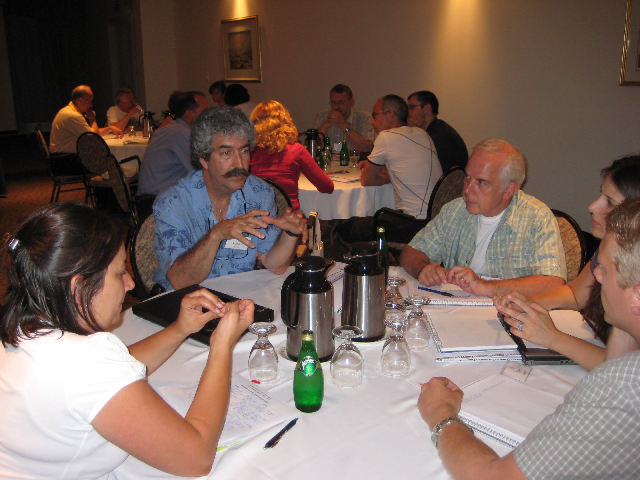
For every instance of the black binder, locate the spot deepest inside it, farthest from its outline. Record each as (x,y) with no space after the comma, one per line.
(164,310)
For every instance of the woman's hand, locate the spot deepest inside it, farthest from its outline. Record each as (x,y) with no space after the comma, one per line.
(505,300)
(236,319)
(530,321)
(192,316)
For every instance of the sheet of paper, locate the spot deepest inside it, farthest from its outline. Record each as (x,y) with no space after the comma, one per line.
(251,409)
(450,294)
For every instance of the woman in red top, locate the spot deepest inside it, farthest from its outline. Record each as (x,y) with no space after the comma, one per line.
(278,156)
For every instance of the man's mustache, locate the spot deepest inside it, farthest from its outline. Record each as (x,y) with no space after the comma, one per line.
(235,172)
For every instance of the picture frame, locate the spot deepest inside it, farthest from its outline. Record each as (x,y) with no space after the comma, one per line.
(241,49)
(630,68)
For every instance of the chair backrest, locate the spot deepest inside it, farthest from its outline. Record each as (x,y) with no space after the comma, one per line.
(97,158)
(573,243)
(143,254)
(93,152)
(42,144)
(282,199)
(448,187)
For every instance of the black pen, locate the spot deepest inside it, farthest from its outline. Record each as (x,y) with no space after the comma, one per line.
(276,438)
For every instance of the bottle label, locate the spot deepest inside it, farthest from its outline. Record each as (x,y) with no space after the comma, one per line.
(308,366)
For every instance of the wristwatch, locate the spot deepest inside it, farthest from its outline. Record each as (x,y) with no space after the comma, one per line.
(347,130)
(437,430)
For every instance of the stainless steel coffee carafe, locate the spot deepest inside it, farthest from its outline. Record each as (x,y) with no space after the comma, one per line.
(363,292)
(307,304)
(313,140)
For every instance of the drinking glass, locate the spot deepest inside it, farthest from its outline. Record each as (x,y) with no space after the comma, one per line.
(354,156)
(395,360)
(417,334)
(263,359)
(393,296)
(131,131)
(346,362)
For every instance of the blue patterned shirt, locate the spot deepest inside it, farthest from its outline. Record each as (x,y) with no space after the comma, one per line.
(184,215)
(526,242)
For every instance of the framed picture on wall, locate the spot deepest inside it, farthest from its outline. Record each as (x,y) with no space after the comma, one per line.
(630,69)
(241,49)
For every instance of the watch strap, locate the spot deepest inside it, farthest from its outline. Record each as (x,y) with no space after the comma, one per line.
(440,426)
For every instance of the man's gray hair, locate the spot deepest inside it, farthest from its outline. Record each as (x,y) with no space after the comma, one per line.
(122,92)
(397,105)
(213,121)
(515,169)
(81,91)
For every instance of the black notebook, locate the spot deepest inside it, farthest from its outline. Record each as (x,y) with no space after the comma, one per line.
(535,356)
(164,310)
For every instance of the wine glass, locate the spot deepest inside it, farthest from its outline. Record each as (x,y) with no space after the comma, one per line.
(347,362)
(395,360)
(417,334)
(263,359)
(354,156)
(393,298)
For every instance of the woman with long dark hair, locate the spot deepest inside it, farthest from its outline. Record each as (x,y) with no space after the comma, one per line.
(620,181)
(74,400)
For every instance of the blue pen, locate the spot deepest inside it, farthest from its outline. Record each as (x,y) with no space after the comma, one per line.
(427,289)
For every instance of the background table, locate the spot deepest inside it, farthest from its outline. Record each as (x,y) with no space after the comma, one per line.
(349,197)
(126,147)
(372,432)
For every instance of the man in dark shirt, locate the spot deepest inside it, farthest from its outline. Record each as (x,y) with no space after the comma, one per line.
(423,112)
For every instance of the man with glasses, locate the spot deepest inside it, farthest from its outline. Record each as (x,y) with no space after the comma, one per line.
(423,113)
(496,238)
(219,219)
(405,157)
(73,120)
(344,121)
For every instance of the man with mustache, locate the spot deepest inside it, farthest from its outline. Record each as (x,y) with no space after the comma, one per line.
(219,219)
(494,239)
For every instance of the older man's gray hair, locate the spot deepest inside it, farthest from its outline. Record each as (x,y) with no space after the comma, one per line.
(215,120)
(81,91)
(515,169)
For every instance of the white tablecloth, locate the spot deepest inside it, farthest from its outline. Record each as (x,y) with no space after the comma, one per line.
(371,432)
(349,198)
(126,147)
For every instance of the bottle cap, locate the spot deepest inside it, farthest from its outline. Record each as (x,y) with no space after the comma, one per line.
(307,335)
(380,230)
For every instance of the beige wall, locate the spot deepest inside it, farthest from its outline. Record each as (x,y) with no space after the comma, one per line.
(158,35)
(542,74)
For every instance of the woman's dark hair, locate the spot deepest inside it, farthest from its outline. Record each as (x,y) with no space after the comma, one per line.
(52,246)
(625,175)
(236,94)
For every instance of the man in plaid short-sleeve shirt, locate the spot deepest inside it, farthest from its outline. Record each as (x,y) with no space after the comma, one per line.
(494,239)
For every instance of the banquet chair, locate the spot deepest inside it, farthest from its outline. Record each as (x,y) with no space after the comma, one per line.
(573,242)
(100,162)
(282,199)
(448,188)
(144,260)
(62,177)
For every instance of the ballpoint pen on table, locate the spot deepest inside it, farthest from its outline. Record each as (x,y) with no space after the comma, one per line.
(276,438)
(427,289)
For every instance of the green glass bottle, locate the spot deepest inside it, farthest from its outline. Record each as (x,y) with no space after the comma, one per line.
(383,259)
(308,382)
(326,153)
(319,158)
(344,153)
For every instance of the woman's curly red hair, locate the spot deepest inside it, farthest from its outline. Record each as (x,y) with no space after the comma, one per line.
(274,126)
